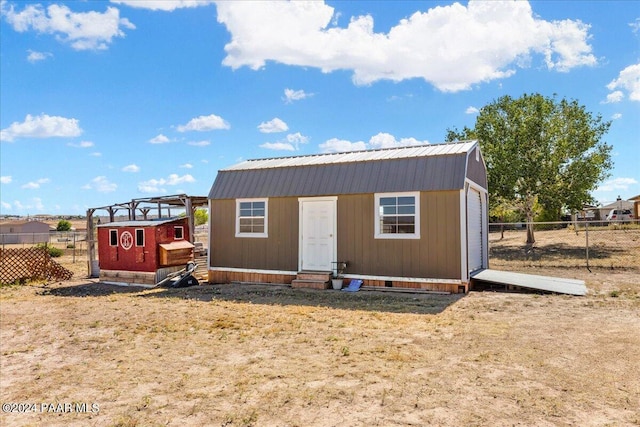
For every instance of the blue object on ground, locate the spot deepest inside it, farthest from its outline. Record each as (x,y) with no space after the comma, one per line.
(354,286)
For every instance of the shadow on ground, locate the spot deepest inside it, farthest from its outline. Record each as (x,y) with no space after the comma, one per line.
(90,289)
(277,295)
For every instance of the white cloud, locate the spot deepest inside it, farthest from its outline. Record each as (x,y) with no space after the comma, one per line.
(36,184)
(131,168)
(96,154)
(335,145)
(83,30)
(385,140)
(273,126)
(159,139)
(614,97)
(471,110)
(291,95)
(617,184)
(42,126)
(616,116)
(291,143)
(6,179)
(297,138)
(34,204)
(381,140)
(6,205)
(100,184)
(37,203)
(199,143)
(453,47)
(629,80)
(157,185)
(81,144)
(187,166)
(34,56)
(282,146)
(164,5)
(635,25)
(205,123)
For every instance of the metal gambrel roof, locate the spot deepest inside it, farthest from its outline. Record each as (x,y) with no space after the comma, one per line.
(422,168)
(356,156)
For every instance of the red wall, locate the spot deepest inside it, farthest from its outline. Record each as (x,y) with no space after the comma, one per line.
(126,256)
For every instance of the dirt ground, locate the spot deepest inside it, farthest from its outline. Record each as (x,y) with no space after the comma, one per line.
(81,353)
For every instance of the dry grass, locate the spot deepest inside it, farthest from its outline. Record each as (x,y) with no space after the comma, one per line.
(221,355)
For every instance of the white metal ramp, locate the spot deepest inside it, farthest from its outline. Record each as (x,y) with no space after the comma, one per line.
(530,281)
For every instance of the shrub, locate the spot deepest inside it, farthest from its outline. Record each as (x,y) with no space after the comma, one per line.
(63,225)
(53,251)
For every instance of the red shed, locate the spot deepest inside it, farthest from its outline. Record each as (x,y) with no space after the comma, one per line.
(143,252)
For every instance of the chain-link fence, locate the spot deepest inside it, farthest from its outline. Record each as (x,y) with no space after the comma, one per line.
(70,242)
(588,244)
(73,243)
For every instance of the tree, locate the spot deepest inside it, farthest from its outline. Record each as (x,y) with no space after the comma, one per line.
(201,216)
(63,225)
(540,151)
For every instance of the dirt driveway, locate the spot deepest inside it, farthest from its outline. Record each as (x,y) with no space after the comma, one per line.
(88,354)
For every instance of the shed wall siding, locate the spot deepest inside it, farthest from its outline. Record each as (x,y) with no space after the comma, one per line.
(435,255)
(278,251)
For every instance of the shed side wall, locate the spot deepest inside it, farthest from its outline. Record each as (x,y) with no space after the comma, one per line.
(435,255)
(279,251)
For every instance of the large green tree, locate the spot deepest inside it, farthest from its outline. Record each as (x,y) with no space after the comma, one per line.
(540,151)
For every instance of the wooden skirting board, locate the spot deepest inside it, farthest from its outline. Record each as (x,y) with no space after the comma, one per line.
(221,276)
(236,276)
(133,277)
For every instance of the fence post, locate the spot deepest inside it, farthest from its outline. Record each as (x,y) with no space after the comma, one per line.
(74,247)
(586,233)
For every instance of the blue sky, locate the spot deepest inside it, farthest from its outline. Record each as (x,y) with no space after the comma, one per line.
(102,102)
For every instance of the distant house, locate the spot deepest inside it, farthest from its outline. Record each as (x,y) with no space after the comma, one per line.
(24,231)
(618,204)
(143,252)
(412,217)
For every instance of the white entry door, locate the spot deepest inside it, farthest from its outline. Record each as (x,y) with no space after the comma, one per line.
(317,233)
(475,230)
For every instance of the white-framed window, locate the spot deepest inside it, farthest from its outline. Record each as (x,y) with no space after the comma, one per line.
(251,217)
(397,215)
(140,237)
(113,237)
(178,232)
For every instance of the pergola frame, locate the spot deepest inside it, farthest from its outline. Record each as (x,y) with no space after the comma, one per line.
(144,206)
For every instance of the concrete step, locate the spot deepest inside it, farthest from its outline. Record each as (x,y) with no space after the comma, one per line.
(323,276)
(311,284)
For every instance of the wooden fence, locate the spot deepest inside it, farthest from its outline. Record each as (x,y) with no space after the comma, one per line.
(30,264)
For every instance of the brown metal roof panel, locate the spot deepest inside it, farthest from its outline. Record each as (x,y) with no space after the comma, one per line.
(413,174)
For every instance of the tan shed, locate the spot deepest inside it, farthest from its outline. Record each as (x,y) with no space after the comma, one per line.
(410,217)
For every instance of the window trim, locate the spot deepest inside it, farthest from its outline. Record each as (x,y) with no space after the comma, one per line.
(136,237)
(403,236)
(111,232)
(262,235)
(176,228)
